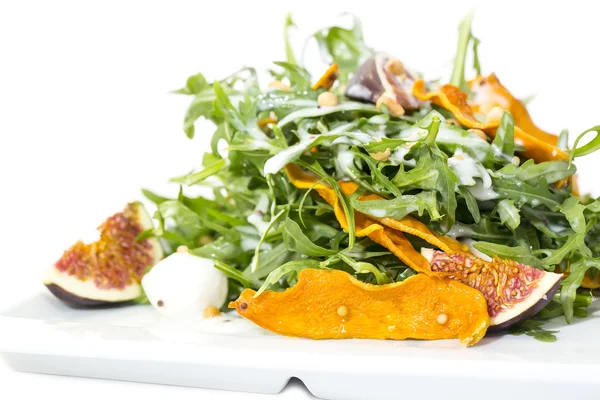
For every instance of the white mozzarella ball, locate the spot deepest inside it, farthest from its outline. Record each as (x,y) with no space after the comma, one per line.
(185,285)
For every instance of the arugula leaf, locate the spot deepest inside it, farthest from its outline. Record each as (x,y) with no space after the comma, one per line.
(298,76)
(285,269)
(347,207)
(509,214)
(195,84)
(423,176)
(270,260)
(204,96)
(446,185)
(534,329)
(362,267)
(275,218)
(471,203)
(555,256)
(310,112)
(295,240)
(399,207)
(188,223)
(570,284)
(530,172)
(543,220)
(563,140)
(504,142)
(383,144)
(196,177)
(201,106)
(221,249)
(524,193)
(519,254)
(379,181)
(344,47)
(153,197)
(235,274)
(573,211)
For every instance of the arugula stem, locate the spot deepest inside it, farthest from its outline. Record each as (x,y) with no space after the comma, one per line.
(434,128)
(289,52)
(464,37)
(263,237)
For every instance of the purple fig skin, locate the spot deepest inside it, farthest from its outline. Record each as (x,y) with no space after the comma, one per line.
(81,302)
(365,84)
(527,314)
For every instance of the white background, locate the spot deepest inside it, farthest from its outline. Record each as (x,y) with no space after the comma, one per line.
(86,119)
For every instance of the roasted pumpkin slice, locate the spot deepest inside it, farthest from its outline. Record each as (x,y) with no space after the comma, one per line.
(488,93)
(589,282)
(328,79)
(331,304)
(454,100)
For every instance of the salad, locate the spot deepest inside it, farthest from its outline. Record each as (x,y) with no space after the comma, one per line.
(363,202)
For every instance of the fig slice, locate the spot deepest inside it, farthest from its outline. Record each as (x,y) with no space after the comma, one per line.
(108,271)
(514,292)
(374,79)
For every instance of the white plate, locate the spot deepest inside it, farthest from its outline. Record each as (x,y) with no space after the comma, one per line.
(134,344)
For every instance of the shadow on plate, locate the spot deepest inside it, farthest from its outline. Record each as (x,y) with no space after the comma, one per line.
(295,384)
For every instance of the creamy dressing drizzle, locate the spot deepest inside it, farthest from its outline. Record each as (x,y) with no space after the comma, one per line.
(398,157)
(482,193)
(344,161)
(279,160)
(467,169)
(459,231)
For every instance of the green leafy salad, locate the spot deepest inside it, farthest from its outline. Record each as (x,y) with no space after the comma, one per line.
(301,169)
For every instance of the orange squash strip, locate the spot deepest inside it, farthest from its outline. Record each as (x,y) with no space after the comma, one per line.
(375,228)
(574,185)
(589,282)
(331,304)
(399,245)
(417,228)
(534,148)
(328,79)
(454,100)
(488,93)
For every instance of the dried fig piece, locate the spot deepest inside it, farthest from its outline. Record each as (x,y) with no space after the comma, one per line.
(374,79)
